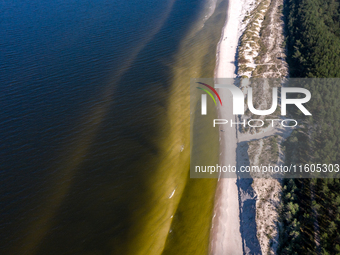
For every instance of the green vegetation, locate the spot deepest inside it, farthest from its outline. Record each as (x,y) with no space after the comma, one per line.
(310,208)
(296,231)
(327,203)
(313,38)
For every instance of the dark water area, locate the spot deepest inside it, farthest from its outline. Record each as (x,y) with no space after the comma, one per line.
(86,92)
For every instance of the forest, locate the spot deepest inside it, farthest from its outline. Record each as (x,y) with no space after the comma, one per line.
(310,208)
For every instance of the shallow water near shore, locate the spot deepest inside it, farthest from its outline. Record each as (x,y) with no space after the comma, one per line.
(95,126)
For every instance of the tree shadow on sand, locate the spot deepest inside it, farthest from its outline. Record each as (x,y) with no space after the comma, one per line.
(247,204)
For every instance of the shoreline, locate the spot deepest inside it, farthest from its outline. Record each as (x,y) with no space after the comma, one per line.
(236,229)
(225,236)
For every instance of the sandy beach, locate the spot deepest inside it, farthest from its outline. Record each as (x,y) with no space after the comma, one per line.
(225,232)
(234,228)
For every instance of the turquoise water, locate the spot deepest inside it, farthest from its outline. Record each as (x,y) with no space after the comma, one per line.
(95,116)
